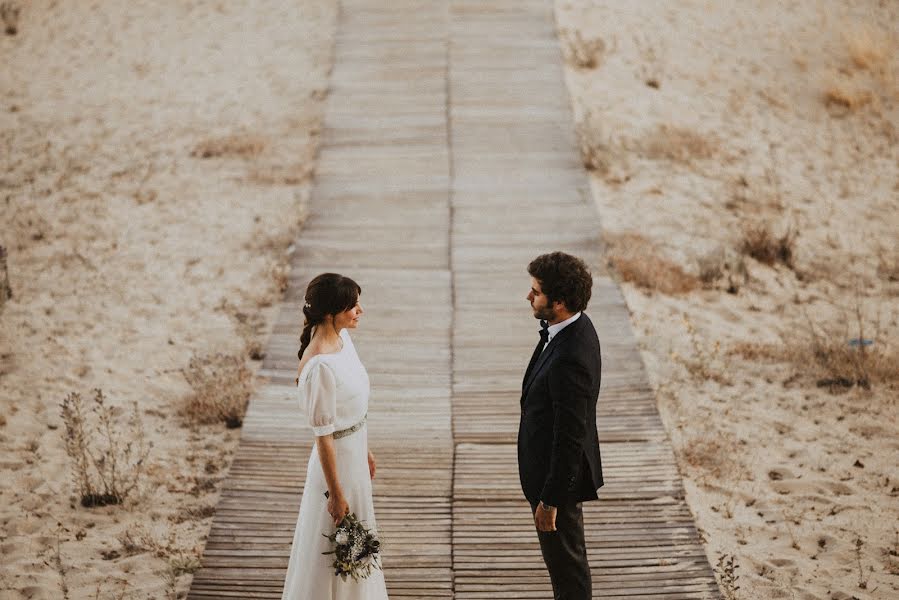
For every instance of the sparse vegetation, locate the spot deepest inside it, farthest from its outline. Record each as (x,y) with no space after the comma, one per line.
(723,264)
(9,13)
(869,48)
(595,147)
(888,265)
(221,389)
(580,52)
(281,175)
(706,364)
(846,94)
(862,580)
(726,569)
(710,453)
(867,76)
(845,352)
(651,68)
(761,244)
(636,261)
(678,144)
(107,464)
(179,560)
(5,290)
(242,146)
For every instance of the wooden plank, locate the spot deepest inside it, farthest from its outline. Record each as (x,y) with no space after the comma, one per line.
(444,169)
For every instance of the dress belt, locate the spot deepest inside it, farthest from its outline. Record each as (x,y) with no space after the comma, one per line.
(350,430)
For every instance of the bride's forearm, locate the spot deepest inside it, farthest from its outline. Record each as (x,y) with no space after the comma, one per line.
(328,458)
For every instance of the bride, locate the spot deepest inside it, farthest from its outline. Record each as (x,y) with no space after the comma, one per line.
(333,391)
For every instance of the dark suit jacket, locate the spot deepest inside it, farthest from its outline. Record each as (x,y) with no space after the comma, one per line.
(558,446)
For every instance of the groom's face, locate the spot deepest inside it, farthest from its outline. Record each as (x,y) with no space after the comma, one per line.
(543,309)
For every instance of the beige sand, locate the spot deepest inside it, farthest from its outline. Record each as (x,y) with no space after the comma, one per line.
(127,254)
(114,228)
(779,473)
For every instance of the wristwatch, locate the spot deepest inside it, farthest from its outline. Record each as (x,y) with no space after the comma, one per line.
(546,506)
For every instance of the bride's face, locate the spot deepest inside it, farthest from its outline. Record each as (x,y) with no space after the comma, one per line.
(348,318)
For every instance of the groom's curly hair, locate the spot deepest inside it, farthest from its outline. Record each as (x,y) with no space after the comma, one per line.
(563,277)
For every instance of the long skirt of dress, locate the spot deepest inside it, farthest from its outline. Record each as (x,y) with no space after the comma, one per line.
(310,575)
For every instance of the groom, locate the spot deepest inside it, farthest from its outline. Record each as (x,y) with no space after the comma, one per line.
(558,447)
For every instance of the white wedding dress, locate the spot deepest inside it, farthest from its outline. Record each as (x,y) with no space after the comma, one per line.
(333,392)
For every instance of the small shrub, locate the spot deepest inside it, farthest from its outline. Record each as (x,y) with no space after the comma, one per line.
(105,467)
(221,389)
(582,53)
(726,569)
(242,146)
(759,243)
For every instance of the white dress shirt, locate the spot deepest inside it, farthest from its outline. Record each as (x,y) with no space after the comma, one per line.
(552,330)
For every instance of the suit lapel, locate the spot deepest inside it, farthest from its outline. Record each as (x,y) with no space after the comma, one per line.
(534,357)
(554,343)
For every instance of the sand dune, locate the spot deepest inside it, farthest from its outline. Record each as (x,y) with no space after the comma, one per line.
(155,161)
(706,119)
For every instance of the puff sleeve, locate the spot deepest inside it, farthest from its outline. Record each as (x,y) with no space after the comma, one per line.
(321,399)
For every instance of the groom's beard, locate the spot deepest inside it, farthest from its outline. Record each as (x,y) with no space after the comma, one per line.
(546,313)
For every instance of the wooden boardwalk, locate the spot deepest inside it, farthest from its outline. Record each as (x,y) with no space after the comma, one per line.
(448,162)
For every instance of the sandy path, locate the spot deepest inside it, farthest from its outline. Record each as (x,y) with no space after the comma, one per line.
(128,254)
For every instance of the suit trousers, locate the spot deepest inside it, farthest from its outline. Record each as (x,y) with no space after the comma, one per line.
(565,554)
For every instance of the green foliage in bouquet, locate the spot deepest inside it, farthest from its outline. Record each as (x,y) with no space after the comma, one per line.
(356,549)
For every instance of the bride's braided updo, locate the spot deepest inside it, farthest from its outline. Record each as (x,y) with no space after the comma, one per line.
(327,294)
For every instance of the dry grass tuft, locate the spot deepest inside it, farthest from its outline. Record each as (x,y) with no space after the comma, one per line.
(281,175)
(678,144)
(706,362)
(9,13)
(869,48)
(242,146)
(756,351)
(106,467)
(888,265)
(868,75)
(221,390)
(846,94)
(723,265)
(712,454)
(582,53)
(636,261)
(594,145)
(762,245)
(848,351)
(5,290)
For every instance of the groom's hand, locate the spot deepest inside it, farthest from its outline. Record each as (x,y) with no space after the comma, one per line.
(545,520)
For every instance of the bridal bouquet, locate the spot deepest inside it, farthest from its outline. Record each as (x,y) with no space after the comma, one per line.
(356,549)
